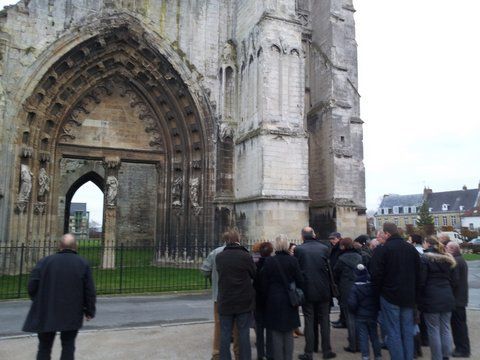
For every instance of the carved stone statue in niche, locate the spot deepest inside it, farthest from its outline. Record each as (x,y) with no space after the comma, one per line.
(26,184)
(225,131)
(43,182)
(112,189)
(194,190)
(177,187)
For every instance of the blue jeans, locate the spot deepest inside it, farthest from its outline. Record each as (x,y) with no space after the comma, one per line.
(242,321)
(439,334)
(367,329)
(399,326)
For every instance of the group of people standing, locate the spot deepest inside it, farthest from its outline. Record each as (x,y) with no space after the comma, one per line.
(412,290)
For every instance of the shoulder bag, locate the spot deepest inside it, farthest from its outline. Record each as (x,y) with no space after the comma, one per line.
(295,294)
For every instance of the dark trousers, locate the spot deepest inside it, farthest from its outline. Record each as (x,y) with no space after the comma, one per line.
(351,328)
(367,329)
(323,311)
(460,331)
(264,338)
(46,342)
(282,345)
(242,322)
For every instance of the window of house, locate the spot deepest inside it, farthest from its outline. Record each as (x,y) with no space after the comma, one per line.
(430,209)
(395,210)
(470,226)
(435,219)
(390,211)
(406,210)
(461,207)
(445,207)
(454,220)
(395,220)
(444,220)
(413,209)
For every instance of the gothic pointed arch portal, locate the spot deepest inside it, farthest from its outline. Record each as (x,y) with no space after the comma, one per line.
(115,105)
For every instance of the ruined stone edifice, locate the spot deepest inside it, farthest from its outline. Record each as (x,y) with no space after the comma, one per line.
(190,115)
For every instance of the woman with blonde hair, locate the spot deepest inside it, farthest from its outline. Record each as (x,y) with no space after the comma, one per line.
(281,317)
(436,298)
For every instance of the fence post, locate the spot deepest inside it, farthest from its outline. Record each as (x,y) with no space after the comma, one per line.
(121,268)
(22,252)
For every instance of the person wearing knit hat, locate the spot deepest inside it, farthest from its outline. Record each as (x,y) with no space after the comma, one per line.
(362,274)
(363,302)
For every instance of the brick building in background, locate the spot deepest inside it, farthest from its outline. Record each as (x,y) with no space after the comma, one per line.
(447,207)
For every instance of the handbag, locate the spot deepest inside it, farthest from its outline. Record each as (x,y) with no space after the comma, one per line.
(296,296)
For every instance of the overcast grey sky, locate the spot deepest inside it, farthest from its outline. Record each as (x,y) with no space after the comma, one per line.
(419,70)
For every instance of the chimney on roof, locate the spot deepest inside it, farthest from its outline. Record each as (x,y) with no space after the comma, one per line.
(464,187)
(426,191)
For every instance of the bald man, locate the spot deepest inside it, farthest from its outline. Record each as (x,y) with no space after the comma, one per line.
(62,291)
(312,256)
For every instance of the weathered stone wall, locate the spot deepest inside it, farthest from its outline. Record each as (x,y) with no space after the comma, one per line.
(337,175)
(137,204)
(248,109)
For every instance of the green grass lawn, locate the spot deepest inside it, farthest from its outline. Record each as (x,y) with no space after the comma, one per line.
(137,271)
(470,257)
(128,280)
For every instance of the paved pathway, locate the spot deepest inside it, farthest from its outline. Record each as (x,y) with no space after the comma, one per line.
(164,327)
(171,342)
(121,312)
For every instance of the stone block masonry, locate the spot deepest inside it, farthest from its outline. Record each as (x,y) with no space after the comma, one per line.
(201,115)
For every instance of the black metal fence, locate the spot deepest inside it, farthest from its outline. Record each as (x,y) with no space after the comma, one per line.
(118,269)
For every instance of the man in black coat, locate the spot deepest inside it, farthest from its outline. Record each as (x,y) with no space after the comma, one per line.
(395,269)
(312,256)
(459,314)
(236,295)
(62,291)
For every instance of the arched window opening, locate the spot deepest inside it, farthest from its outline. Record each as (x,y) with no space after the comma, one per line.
(84,208)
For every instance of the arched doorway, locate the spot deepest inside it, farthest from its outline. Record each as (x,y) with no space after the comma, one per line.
(114,111)
(94,184)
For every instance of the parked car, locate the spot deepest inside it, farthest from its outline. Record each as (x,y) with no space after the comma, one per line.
(475,241)
(454,236)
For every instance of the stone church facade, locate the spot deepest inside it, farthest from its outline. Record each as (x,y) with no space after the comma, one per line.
(191,116)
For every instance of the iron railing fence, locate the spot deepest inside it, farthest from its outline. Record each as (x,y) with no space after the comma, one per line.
(121,269)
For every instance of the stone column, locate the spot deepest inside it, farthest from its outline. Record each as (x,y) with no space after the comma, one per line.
(271,151)
(111,164)
(337,174)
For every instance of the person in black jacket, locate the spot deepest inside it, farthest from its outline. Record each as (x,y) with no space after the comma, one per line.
(361,244)
(281,318)
(363,303)
(334,246)
(263,335)
(344,275)
(437,300)
(236,295)
(459,314)
(312,256)
(395,269)
(62,291)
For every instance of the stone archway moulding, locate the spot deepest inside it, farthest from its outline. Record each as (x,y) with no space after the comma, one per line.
(164,88)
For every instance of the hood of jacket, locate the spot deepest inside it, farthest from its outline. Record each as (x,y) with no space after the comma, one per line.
(350,257)
(435,257)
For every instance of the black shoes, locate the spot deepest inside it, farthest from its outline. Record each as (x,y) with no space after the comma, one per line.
(349,349)
(457,354)
(339,325)
(305,357)
(329,355)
